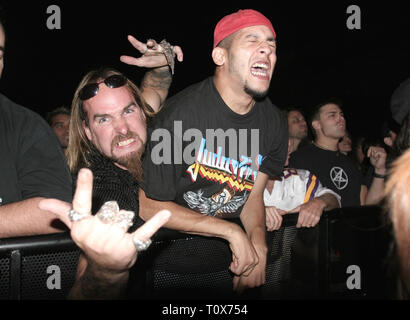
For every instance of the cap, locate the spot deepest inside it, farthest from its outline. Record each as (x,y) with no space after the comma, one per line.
(237,21)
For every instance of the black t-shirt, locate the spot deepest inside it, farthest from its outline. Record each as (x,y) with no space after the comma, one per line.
(204,156)
(32,163)
(334,170)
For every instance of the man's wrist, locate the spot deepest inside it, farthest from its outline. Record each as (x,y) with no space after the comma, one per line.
(380,171)
(105,274)
(379,176)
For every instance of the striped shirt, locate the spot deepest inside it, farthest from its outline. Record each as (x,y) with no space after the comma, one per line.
(294,188)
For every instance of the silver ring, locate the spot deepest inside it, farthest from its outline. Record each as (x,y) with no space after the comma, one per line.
(146,50)
(141,245)
(75,216)
(124,219)
(108,212)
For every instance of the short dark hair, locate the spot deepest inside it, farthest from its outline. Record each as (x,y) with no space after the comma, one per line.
(227,42)
(55,112)
(315,112)
(314,115)
(288,110)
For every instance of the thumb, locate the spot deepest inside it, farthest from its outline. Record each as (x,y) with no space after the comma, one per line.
(58,207)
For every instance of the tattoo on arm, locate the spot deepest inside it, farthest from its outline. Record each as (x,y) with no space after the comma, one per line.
(157,79)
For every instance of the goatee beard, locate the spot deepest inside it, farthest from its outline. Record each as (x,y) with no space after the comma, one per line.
(132,161)
(257,95)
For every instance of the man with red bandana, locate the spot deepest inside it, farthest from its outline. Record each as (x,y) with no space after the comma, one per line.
(206,185)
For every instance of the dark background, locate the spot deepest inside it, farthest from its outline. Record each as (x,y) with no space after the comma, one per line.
(318,57)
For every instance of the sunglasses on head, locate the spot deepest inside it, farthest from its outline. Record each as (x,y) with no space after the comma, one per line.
(90,90)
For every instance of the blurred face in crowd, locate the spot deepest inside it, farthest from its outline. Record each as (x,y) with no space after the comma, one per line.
(390,139)
(2,44)
(359,150)
(331,122)
(297,125)
(117,125)
(251,59)
(345,144)
(60,124)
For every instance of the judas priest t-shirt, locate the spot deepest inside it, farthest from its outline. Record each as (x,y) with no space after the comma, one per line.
(203,156)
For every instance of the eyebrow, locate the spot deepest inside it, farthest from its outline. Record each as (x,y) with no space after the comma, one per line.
(100,115)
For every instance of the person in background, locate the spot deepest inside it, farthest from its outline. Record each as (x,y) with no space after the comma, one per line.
(298,129)
(59,121)
(300,191)
(32,167)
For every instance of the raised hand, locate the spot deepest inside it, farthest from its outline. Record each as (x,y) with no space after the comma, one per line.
(104,244)
(152,54)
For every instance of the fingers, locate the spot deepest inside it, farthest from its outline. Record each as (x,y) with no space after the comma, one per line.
(307,219)
(140,46)
(58,207)
(237,287)
(152,44)
(146,231)
(179,53)
(273,218)
(239,267)
(130,60)
(83,193)
(269,222)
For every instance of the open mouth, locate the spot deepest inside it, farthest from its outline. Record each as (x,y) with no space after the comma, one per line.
(125,142)
(260,69)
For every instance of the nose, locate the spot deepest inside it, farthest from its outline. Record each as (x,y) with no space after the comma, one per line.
(265,48)
(120,126)
(67,129)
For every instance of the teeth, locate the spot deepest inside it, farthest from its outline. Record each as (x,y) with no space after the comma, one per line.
(255,73)
(260,65)
(124,143)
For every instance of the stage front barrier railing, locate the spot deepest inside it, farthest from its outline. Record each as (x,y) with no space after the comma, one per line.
(344,257)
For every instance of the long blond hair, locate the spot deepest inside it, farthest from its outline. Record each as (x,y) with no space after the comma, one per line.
(398,194)
(79,147)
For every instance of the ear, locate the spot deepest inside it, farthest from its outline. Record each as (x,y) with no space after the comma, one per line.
(219,56)
(316,124)
(87,131)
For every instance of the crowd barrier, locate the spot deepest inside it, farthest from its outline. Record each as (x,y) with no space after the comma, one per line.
(346,256)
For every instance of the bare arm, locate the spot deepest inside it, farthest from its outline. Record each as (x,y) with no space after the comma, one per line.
(377,157)
(24,218)
(311,211)
(93,282)
(191,222)
(329,201)
(157,80)
(253,219)
(155,86)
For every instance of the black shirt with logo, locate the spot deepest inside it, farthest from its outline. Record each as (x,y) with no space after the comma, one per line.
(204,156)
(333,169)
